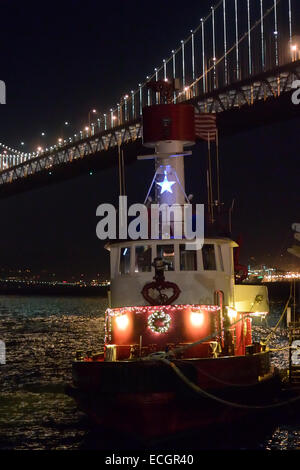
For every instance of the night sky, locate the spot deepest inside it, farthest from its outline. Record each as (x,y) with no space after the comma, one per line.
(59,60)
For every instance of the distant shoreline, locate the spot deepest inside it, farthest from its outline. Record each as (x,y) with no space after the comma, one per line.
(277,290)
(11,288)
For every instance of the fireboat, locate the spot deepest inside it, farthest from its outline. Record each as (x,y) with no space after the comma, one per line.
(178,350)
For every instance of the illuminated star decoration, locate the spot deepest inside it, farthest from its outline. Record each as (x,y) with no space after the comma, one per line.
(166,185)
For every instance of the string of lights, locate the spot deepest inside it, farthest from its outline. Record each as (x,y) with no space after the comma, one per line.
(166,308)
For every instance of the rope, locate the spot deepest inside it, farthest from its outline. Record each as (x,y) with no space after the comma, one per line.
(280,349)
(223,381)
(281,318)
(200,391)
(200,341)
(235,384)
(162,355)
(207,338)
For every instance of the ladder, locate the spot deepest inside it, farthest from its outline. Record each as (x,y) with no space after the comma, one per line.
(294,369)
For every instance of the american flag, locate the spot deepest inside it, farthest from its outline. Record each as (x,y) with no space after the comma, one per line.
(206,126)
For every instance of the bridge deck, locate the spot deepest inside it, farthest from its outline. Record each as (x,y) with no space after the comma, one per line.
(257,101)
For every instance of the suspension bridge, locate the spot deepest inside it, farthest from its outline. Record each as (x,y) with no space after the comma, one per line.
(240,62)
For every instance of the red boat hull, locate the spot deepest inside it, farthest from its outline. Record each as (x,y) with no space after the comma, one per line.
(146,399)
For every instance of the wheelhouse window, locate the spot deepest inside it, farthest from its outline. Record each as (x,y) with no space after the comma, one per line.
(221,258)
(209,257)
(188,259)
(167,253)
(125,260)
(143,258)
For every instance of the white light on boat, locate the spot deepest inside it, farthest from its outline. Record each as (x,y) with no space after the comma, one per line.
(258,314)
(197,318)
(122,322)
(232,314)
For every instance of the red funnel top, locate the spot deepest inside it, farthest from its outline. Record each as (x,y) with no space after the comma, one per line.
(166,122)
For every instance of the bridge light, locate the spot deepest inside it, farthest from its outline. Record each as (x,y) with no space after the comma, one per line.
(295,48)
(92,111)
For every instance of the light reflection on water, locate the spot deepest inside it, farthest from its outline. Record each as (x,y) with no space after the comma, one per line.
(41,336)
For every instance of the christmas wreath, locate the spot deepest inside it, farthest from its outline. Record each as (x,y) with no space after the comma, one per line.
(159,322)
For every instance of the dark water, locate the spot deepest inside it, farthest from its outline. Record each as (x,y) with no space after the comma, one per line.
(41,336)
